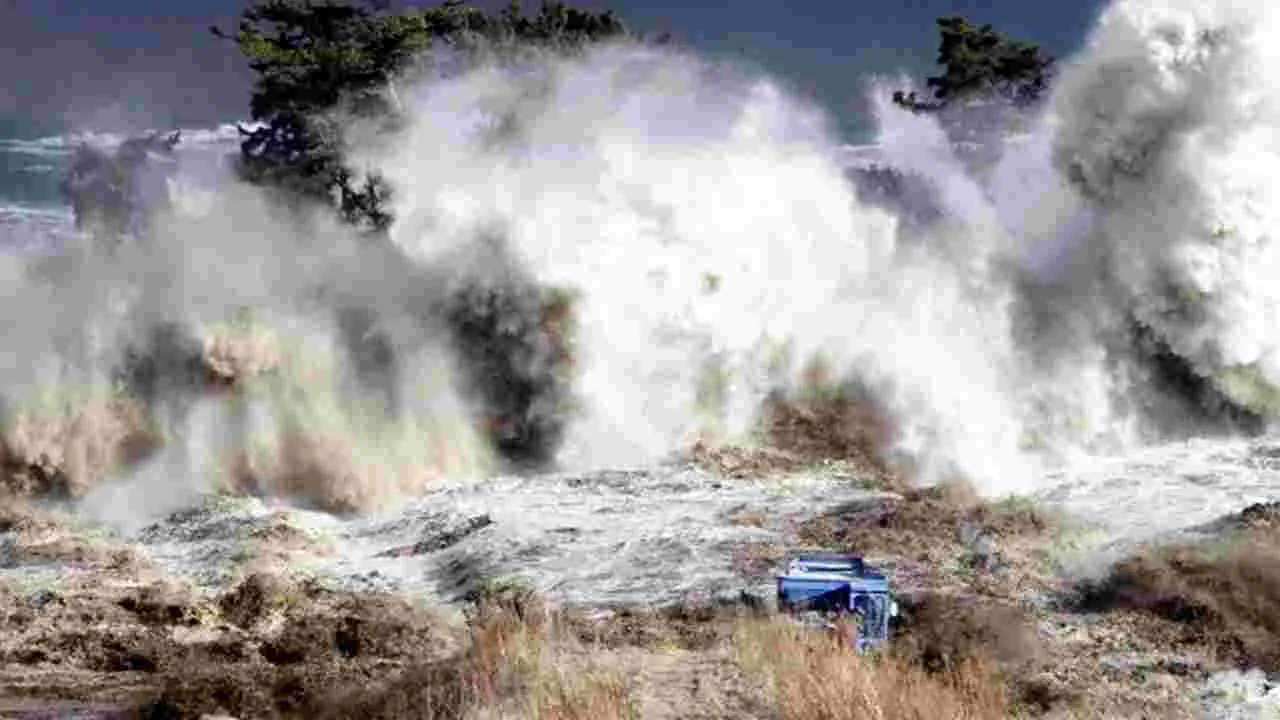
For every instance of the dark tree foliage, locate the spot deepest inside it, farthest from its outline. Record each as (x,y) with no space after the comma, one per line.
(977,61)
(515,340)
(315,57)
(322,62)
(556,26)
(309,57)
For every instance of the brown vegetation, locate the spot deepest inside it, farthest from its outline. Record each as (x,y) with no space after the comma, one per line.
(273,647)
(289,649)
(326,449)
(934,524)
(824,423)
(235,353)
(276,647)
(968,645)
(268,647)
(342,655)
(63,446)
(65,440)
(46,537)
(943,632)
(759,560)
(1222,594)
(812,676)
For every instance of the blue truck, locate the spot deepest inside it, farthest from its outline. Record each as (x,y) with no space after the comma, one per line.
(834,587)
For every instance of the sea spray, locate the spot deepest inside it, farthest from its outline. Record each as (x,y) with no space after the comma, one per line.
(220,321)
(703,220)
(1165,121)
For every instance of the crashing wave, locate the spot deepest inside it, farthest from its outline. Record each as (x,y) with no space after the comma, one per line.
(1165,124)
(1100,281)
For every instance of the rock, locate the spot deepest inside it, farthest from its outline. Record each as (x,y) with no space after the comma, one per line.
(1261,515)
(40,598)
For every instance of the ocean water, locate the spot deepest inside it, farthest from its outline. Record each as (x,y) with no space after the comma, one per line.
(34,215)
(32,210)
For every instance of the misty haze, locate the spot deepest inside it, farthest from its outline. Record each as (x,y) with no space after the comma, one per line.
(440,360)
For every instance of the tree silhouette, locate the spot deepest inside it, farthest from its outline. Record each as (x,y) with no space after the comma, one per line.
(321,62)
(978,62)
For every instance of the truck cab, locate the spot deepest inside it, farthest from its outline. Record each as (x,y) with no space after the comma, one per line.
(839,586)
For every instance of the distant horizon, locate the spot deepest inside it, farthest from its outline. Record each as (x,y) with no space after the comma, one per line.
(66,65)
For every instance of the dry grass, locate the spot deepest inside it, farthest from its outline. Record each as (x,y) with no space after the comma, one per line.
(82,627)
(758,560)
(828,422)
(320,445)
(514,661)
(268,647)
(836,426)
(742,462)
(944,632)
(962,567)
(65,443)
(809,675)
(694,627)
(967,647)
(236,352)
(46,537)
(350,455)
(280,544)
(934,524)
(355,464)
(317,654)
(279,648)
(271,647)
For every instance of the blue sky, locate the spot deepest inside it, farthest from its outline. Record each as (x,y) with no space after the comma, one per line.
(152,62)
